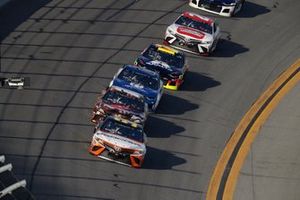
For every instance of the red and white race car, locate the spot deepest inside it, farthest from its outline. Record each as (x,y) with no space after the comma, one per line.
(117,101)
(193,33)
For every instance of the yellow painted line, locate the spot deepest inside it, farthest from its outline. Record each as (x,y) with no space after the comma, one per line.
(224,178)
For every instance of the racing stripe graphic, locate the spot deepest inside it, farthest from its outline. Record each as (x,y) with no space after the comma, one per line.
(190,32)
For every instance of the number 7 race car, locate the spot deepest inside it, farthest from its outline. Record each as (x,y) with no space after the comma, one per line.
(168,62)
(193,33)
(120,102)
(226,8)
(120,141)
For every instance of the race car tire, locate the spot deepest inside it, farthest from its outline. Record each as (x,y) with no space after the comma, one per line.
(241,4)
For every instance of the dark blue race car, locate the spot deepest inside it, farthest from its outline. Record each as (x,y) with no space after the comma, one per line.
(168,62)
(142,81)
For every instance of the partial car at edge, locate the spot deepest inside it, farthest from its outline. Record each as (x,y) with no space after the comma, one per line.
(226,8)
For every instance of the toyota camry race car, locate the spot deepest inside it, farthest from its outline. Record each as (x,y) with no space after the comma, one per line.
(226,8)
(120,141)
(193,33)
(142,81)
(168,62)
(120,102)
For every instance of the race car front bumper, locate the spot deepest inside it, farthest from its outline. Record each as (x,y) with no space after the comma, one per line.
(188,45)
(124,158)
(226,11)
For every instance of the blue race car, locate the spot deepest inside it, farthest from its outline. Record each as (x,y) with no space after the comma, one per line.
(142,81)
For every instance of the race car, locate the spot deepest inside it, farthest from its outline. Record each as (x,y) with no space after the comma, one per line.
(120,102)
(226,8)
(168,62)
(142,81)
(119,140)
(14,82)
(193,33)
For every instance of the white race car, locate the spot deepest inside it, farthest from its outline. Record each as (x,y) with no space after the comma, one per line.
(226,8)
(14,82)
(193,33)
(120,141)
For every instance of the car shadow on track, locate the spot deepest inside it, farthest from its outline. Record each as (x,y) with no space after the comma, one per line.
(161,159)
(174,105)
(15,13)
(160,128)
(251,9)
(227,48)
(194,81)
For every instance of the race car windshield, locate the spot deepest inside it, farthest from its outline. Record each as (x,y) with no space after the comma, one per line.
(185,21)
(139,79)
(124,130)
(124,99)
(176,60)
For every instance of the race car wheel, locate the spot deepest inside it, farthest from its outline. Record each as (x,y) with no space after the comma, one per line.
(238,7)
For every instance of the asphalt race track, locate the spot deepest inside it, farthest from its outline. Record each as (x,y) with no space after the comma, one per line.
(70,49)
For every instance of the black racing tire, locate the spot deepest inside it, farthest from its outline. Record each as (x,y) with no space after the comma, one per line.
(241,3)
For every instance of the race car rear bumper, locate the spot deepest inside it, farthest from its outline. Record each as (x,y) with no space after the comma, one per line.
(226,11)
(173,84)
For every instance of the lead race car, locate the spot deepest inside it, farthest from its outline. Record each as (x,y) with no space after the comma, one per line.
(119,140)
(193,33)
(142,81)
(168,62)
(226,8)
(120,102)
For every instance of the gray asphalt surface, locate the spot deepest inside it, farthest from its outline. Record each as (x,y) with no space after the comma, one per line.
(71,48)
(271,170)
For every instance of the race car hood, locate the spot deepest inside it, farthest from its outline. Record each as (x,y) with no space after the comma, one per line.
(120,141)
(191,33)
(147,92)
(162,68)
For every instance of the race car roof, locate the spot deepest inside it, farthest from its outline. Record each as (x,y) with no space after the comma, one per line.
(199,18)
(127,91)
(125,121)
(142,70)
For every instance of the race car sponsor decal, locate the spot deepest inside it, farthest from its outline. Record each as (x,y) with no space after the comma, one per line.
(166,50)
(116,138)
(190,32)
(198,18)
(159,64)
(136,85)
